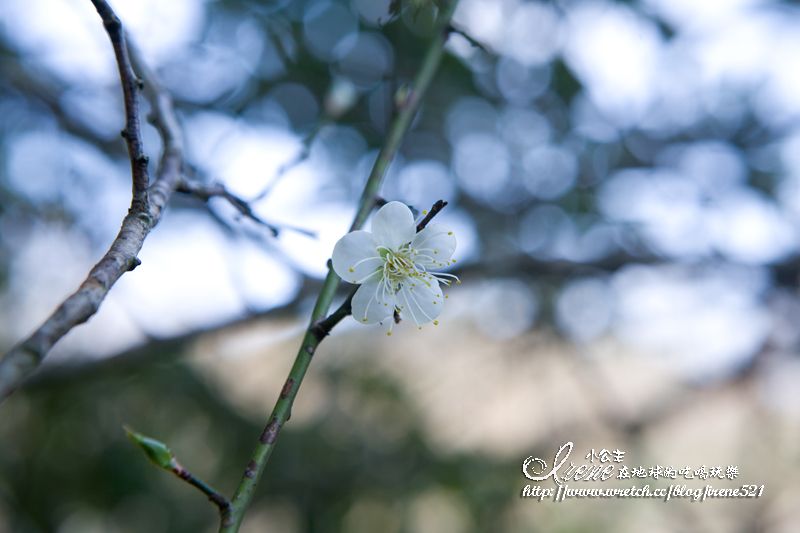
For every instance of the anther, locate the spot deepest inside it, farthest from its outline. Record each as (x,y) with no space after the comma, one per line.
(364,320)
(454,260)
(351,270)
(435,322)
(449,232)
(389,333)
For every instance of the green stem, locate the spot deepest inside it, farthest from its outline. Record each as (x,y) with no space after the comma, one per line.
(232,518)
(402,122)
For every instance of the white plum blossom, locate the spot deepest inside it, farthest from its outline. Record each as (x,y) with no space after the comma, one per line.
(393,265)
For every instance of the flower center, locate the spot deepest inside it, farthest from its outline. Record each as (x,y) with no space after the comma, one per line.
(398,266)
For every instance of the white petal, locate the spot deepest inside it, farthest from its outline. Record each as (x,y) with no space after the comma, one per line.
(393,226)
(349,255)
(369,304)
(435,245)
(420,302)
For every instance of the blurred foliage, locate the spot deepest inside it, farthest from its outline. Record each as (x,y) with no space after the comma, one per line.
(66,455)
(528,152)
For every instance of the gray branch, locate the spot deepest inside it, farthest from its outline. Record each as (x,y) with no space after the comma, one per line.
(146,208)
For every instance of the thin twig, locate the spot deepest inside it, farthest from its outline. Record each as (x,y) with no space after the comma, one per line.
(230,521)
(204,192)
(213,496)
(438,206)
(468,37)
(145,211)
(301,156)
(162,457)
(322,328)
(130,90)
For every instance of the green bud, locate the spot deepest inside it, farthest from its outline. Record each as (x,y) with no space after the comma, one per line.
(401,96)
(156,452)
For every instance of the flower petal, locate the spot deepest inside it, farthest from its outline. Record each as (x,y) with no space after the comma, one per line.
(420,302)
(393,226)
(435,245)
(355,257)
(368,304)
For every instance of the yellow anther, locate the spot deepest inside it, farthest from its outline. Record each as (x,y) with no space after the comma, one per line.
(355,281)
(420,327)
(449,232)
(447,297)
(457,282)
(435,252)
(364,320)
(389,333)
(385,305)
(424,212)
(454,260)
(401,307)
(434,303)
(435,322)
(351,270)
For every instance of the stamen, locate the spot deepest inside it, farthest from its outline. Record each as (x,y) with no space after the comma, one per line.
(420,307)
(359,282)
(413,316)
(367,259)
(434,235)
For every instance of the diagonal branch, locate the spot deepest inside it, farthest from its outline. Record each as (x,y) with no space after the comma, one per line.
(144,213)
(231,520)
(204,192)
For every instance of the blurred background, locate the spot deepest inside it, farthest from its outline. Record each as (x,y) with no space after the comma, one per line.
(624,185)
